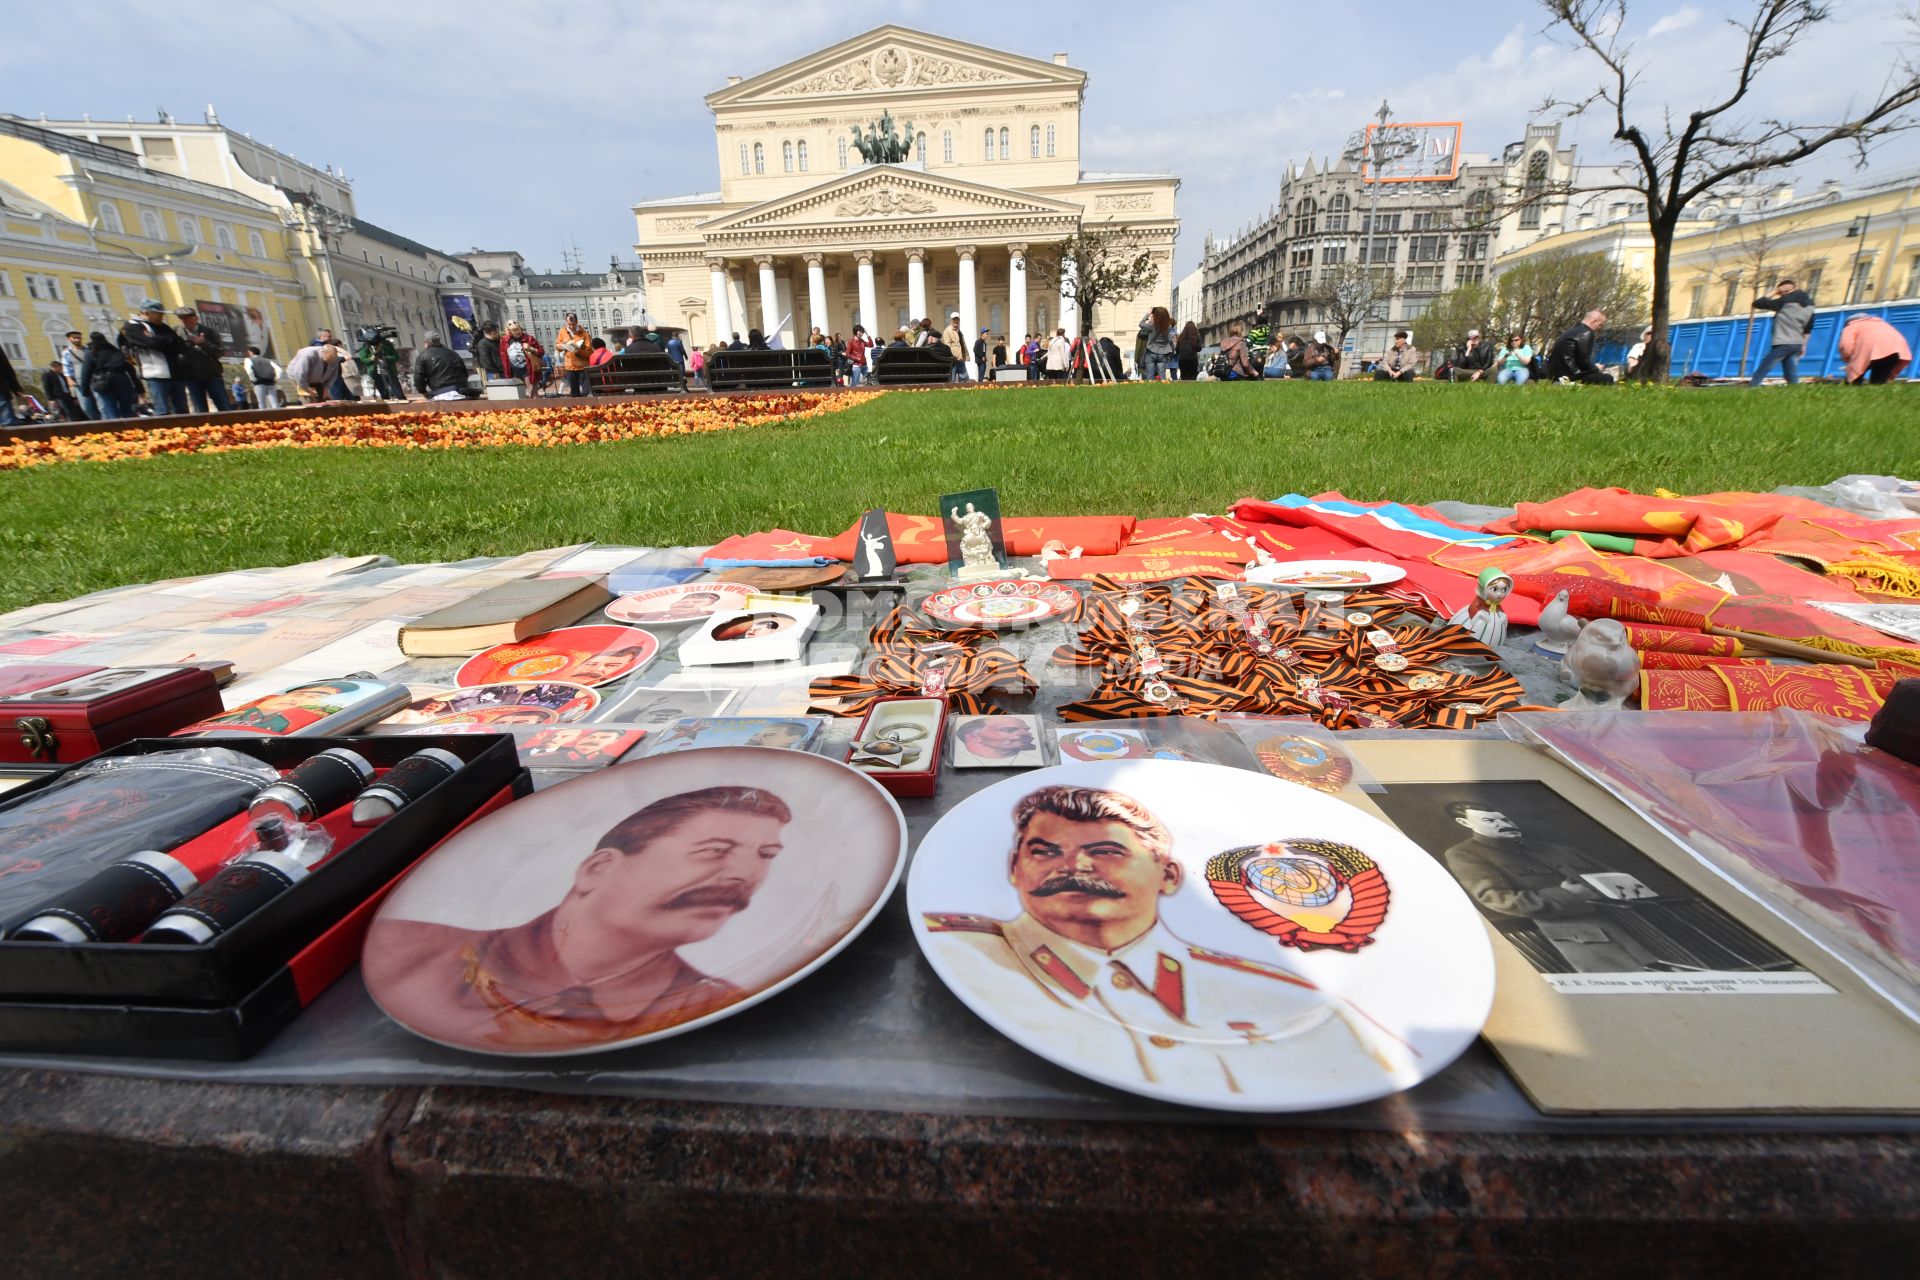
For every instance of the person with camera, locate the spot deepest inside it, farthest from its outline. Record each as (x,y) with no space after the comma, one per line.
(379,362)
(576,354)
(201,376)
(157,351)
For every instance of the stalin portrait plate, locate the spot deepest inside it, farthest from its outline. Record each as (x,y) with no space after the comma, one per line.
(1202,935)
(636,903)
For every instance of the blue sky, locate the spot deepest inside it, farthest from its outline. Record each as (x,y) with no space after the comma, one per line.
(533,126)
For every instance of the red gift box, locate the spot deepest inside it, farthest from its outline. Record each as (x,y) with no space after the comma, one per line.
(69,722)
(925,776)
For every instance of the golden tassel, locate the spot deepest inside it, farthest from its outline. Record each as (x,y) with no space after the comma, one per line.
(1883,575)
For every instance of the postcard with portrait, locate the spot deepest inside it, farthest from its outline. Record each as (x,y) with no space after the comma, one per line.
(635,903)
(575,747)
(796,733)
(998,742)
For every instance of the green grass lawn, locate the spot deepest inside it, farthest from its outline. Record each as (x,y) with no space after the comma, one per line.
(1144,450)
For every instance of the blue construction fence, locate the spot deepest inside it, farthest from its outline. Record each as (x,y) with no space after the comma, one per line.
(1713,347)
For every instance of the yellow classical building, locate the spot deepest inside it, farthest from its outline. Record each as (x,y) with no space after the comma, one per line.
(87,233)
(804,232)
(1845,245)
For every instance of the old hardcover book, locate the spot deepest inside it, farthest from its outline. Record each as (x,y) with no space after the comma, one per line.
(503,614)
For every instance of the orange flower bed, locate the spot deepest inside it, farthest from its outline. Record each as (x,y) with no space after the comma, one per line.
(539,425)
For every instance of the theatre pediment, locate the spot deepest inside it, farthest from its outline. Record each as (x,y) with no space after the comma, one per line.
(892,194)
(894,59)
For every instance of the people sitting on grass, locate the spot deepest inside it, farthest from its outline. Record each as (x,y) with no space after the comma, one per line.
(1873,349)
(1638,352)
(1570,359)
(1516,361)
(1277,365)
(1235,361)
(1475,361)
(1319,358)
(1400,362)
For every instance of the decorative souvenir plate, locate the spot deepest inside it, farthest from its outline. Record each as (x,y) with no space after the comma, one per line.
(635,903)
(499,706)
(1339,574)
(1202,934)
(687,602)
(1002,603)
(579,655)
(784,577)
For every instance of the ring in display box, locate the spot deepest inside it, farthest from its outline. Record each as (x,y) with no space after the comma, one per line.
(226,998)
(900,743)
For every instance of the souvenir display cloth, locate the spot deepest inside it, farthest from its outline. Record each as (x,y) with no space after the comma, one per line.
(1158,566)
(1398,530)
(1661,526)
(1790,806)
(1648,638)
(911,659)
(1847,693)
(1658,659)
(1347,660)
(782,545)
(923,539)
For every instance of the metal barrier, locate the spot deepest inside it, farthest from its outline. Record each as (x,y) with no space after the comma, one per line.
(1714,347)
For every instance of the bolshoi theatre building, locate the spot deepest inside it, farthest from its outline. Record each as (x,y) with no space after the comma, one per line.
(804,231)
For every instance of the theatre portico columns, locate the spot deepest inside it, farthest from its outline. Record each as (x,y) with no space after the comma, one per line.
(884,246)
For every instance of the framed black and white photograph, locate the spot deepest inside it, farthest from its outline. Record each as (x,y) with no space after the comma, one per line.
(1580,903)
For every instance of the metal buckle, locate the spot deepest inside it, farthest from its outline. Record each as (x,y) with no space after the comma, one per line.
(37,736)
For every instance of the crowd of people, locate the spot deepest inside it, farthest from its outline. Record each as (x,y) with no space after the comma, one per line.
(152,367)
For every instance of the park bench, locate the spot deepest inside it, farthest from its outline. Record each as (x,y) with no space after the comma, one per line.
(635,373)
(757,370)
(912,366)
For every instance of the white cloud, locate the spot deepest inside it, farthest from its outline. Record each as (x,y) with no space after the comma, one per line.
(514,126)
(1679,20)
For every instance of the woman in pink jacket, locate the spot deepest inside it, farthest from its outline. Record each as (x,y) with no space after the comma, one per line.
(1873,349)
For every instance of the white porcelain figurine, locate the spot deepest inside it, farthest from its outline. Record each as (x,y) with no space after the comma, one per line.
(1485,618)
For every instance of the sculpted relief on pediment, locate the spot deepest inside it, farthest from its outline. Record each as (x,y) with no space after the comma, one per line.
(891,67)
(882,202)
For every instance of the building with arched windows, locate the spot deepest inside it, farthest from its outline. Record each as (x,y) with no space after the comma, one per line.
(993,175)
(1435,235)
(610,303)
(235,214)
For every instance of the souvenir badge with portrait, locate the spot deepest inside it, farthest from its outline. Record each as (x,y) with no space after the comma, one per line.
(592,656)
(493,707)
(1201,934)
(635,903)
(686,602)
(767,629)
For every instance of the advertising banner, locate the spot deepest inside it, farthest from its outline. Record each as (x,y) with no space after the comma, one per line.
(227,320)
(458,309)
(1421,151)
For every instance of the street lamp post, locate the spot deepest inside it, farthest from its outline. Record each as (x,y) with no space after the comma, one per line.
(1372,156)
